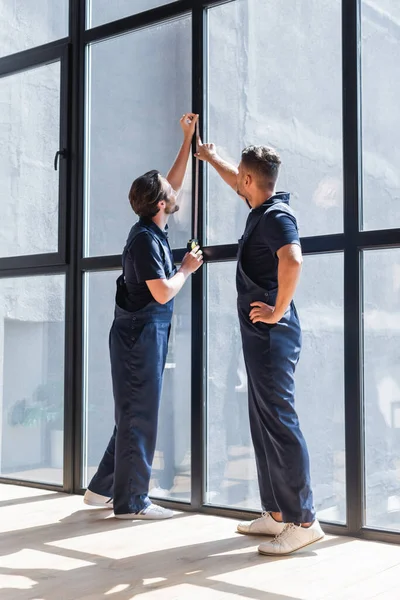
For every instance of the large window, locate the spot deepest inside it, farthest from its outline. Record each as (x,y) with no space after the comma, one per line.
(134,103)
(274,78)
(101,85)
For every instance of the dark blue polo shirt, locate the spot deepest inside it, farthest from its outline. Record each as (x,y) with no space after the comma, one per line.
(274,230)
(148,257)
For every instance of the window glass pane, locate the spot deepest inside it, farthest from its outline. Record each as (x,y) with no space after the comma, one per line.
(29,136)
(25,24)
(104,11)
(171,466)
(320,380)
(32,323)
(381,113)
(134,104)
(231,472)
(382,388)
(280,72)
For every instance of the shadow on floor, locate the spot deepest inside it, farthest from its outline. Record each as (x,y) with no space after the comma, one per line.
(123,579)
(30,499)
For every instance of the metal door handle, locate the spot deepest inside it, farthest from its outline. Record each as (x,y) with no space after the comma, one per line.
(62,153)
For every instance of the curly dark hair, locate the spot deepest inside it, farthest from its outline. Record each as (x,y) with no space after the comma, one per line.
(145,194)
(263,161)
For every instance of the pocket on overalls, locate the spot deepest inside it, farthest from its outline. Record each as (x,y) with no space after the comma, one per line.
(128,330)
(136,331)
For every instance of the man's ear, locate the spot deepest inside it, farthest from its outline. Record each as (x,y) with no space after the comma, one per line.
(248,179)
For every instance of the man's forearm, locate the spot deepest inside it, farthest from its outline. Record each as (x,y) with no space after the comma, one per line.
(177,172)
(176,283)
(225,170)
(163,290)
(288,278)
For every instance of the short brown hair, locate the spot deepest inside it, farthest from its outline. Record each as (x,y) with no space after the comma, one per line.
(264,162)
(145,194)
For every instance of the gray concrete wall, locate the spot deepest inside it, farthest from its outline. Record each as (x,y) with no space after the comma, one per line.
(25,24)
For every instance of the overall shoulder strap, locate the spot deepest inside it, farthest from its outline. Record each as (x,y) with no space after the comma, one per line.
(135,231)
(282,208)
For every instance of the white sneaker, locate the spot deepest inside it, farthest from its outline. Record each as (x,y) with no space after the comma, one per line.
(265,525)
(292,538)
(93,499)
(153,511)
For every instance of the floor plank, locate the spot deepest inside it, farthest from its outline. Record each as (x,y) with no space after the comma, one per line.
(52,547)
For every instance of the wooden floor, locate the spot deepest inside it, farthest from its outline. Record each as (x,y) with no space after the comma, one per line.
(53,548)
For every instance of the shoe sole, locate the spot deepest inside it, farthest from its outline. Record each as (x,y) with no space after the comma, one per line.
(292,551)
(141,518)
(254,533)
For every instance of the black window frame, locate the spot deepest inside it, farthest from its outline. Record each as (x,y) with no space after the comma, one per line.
(70,259)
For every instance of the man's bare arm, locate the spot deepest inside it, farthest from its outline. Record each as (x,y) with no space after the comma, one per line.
(290,260)
(228,172)
(176,175)
(163,290)
(289,268)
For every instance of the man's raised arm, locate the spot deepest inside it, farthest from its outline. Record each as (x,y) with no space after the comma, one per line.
(228,172)
(177,172)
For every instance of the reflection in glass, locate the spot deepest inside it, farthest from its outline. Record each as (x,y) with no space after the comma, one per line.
(29,136)
(25,24)
(380,60)
(231,472)
(320,380)
(382,388)
(103,11)
(291,100)
(32,323)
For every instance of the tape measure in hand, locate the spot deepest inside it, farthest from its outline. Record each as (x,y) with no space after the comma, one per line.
(192,244)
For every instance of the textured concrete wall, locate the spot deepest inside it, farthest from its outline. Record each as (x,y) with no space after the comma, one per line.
(103,11)
(25,24)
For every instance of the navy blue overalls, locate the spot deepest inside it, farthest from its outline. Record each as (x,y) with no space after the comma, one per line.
(271,353)
(138,348)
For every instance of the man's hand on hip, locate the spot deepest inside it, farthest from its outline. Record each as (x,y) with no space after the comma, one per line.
(263,313)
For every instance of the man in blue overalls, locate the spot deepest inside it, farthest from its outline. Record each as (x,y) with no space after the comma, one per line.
(269,265)
(139,339)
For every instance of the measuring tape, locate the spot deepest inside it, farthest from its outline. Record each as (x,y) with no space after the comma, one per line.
(194,242)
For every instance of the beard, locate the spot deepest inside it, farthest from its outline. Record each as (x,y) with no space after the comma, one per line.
(170,209)
(240,193)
